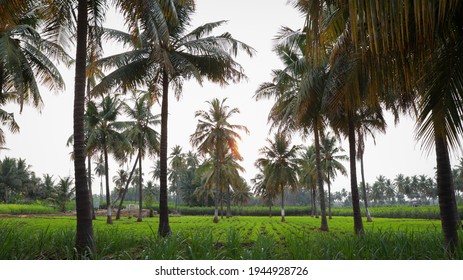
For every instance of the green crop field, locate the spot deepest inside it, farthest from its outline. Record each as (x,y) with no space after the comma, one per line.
(23,209)
(196,237)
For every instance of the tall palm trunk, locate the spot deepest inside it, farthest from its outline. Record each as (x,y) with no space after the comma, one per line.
(217,184)
(118,215)
(89,178)
(314,200)
(329,196)
(364,190)
(109,219)
(324,222)
(1,81)
(85,242)
(140,186)
(283,204)
(446,193)
(164,227)
(89,167)
(221,205)
(358,224)
(229,214)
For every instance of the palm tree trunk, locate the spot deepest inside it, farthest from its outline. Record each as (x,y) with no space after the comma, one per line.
(164,227)
(89,168)
(282,204)
(321,192)
(358,224)
(85,243)
(176,199)
(221,205)
(1,81)
(140,186)
(228,203)
(314,200)
(118,215)
(89,178)
(329,197)
(364,190)
(446,193)
(109,219)
(217,183)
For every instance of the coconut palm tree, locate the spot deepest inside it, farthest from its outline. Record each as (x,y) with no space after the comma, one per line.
(416,54)
(177,168)
(62,193)
(105,136)
(119,180)
(85,243)
(215,135)
(440,125)
(368,122)
(141,134)
(330,158)
(167,54)
(300,95)
(280,160)
(307,173)
(47,186)
(230,179)
(264,190)
(242,194)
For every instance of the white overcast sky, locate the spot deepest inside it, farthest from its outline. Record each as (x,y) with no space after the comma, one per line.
(43,135)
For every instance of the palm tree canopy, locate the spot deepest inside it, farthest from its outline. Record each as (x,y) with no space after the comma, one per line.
(331,157)
(167,45)
(214,129)
(280,163)
(139,129)
(27,57)
(105,130)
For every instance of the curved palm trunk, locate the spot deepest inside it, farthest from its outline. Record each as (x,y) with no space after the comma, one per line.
(118,215)
(324,222)
(85,243)
(282,204)
(446,193)
(364,190)
(109,219)
(358,224)
(164,227)
(140,186)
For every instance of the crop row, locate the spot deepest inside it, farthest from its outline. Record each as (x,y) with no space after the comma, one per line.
(422,212)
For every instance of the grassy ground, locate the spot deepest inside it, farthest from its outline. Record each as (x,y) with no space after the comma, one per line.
(196,237)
